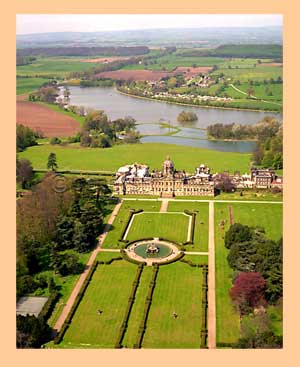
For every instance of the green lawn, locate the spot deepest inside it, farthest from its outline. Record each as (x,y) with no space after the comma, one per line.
(113,236)
(178,288)
(109,290)
(268,216)
(73,157)
(201,223)
(137,312)
(173,227)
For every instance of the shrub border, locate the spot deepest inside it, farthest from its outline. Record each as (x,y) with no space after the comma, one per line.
(142,327)
(204,308)
(49,305)
(131,214)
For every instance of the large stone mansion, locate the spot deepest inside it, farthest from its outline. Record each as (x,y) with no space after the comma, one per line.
(137,179)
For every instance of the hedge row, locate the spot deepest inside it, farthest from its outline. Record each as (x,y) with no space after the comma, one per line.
(176,258)
(179,245)
(131,299)
(225,345)
(133,261)
(142,327)
(49,305)
(204,307)
(131,213)
(193,214)
(108,262)
(78,298)
(190,263)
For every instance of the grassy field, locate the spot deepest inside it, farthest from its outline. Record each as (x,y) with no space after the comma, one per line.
(26,85)
(109,290)
(178,288)
(268,216)
(201,223)
(173,227)
(73,157)
(54,66)
(254,73)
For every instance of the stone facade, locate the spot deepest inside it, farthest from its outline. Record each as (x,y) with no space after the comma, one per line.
(136,179)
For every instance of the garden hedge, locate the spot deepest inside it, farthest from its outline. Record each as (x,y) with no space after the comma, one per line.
(129,306)
(49,305)
(142,327)
(193,215)
(131,214)
(204,307)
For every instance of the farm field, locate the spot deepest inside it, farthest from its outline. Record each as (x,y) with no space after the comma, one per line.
(170,226)
(43,119)
(178,288)
(268,216)
(26,85)
(170,62)
(244,74)
(54,66)
(73,157)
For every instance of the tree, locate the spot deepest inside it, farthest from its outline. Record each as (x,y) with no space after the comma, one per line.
(64,232)
(52,162)
(250,92)
(54,141)
(25,137)
(32,332)
(187,116)
(66,263)
(256,333)
(81,237)
(248,292)
(237,233)
(24,173)
(258,154)
(224,183)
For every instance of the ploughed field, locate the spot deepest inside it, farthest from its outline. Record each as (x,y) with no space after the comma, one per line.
(153,75)
(45,120)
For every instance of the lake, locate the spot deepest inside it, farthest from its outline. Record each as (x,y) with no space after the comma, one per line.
(117,105)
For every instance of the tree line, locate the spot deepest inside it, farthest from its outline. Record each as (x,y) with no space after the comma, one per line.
(84,51)
(53,228)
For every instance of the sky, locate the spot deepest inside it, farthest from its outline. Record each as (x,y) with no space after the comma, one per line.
(44,23)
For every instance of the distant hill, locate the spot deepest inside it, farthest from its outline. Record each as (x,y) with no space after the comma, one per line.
(266,51)
(181,37)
